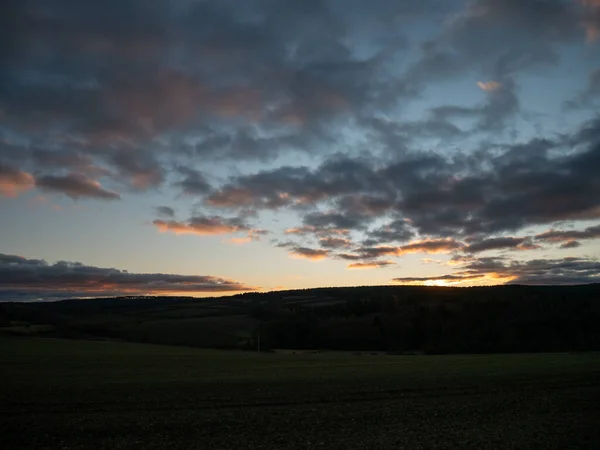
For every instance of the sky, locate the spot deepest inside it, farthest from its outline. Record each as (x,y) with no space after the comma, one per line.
(209,147)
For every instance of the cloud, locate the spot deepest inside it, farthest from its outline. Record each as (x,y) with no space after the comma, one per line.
(565,271)
(309,253)
(240,240)
(312,230)
(593,88)
(501,105)
(501,243)
(334,242)
(498,38)
(14,181)
(332,220)
(587,96)
(489,85)
(210,80)
(396,231)
(23,278)
(591,20)
(193,183)
(592,232)
(320,118)
(296,186)
(203,226)
(507,188)
(427,246)
(76,186)
(570,244)
(430,246)
(444,278)
(371,265)
(544,271)
(138,170)
(349,256)
(165,211)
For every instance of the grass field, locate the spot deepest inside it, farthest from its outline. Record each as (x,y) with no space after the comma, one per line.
(86,395)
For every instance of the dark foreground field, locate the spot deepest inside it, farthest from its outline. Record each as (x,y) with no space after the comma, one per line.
(88,395)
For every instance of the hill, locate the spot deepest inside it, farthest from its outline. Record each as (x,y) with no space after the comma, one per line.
(412,319)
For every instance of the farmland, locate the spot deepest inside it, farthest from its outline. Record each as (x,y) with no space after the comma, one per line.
(73,394)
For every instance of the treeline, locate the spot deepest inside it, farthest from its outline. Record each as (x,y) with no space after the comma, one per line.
(439,320)
(386,318)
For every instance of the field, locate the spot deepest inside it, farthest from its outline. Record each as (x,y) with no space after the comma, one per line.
(109,395)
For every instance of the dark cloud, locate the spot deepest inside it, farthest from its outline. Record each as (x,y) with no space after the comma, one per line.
(334,243)
(593,87)
(127,75)
(180,95)
(371,265)
(31,279)
(566,271)
(499,37)
(512,187)
(591,20)
(13,181)
(349,257)
(429,246)
(544,271)
(501,105)
(267,190)
(70,160)
(297,186)
(206,226)
(309,253)
(140,171)
(501,243)
(539,271)
(75,186)
(570,244)
(395,231)
(588,96)
(193,183)
(165,211)
(592,232)
(332,220)
(451,278)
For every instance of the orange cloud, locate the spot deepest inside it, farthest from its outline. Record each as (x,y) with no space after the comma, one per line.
(75,185)
(371,265)
(14,181)
(430,246)
(208,226)
(591,23)
(527,246)
(37,279)
(446,280)
(232,197)
(309,253)
(489,86)
(240,240)
(432,261)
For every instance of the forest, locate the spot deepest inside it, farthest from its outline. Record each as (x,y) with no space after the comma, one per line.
(391,319)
